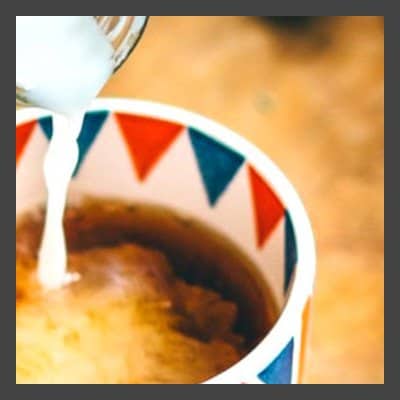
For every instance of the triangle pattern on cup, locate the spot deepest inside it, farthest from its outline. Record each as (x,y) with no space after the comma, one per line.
(217,164)
(46,123)
(268,209)
(290,250)
(280,370)
(147,139)
(23,134)
(92,124)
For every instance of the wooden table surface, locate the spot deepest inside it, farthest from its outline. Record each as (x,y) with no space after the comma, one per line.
(314,102)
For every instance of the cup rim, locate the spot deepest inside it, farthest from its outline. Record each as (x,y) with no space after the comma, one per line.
(303,280)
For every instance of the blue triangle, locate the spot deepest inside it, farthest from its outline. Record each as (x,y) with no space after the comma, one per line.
(217,164)
(290,250)
(92,125)
(46,123)
(280,370)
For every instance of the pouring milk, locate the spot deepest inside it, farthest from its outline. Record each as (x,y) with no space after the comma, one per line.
(62,62)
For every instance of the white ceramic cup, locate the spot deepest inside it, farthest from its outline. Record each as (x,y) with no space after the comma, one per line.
(148,152)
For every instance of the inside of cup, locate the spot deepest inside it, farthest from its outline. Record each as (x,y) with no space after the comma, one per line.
(187,168)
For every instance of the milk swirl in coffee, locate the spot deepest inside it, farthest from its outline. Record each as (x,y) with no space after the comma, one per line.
(62,62)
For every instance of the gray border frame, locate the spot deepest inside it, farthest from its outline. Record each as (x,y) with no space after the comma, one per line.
(7,225)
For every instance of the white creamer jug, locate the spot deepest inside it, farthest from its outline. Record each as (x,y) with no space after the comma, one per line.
(60,57)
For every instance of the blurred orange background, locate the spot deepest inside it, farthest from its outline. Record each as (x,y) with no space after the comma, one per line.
(312,99)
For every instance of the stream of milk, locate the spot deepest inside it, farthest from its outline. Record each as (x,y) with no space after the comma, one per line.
(62,62)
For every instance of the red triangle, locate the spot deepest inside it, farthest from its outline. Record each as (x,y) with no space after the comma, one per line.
(268,209)
(147,139)
(23,133)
